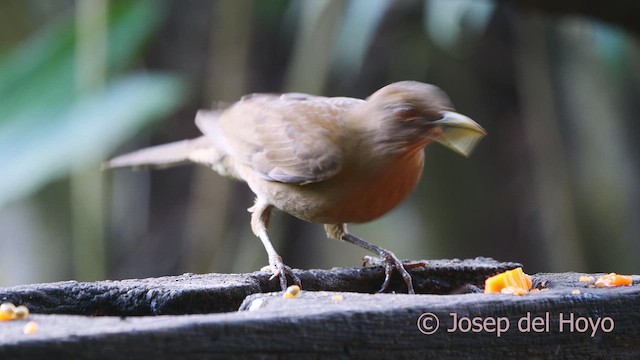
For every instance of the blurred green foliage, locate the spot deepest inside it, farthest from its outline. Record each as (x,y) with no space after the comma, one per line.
(46,127)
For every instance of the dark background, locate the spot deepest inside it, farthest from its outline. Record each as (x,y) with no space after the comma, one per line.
(554,185)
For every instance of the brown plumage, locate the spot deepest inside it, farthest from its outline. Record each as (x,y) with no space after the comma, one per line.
(325,160)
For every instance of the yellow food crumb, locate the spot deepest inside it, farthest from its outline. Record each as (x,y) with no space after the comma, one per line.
(613,279)
(30,328)
(575,292)
(515,278)
(587,279)
(337,298)
(21,312)
(7,311)
(292,291)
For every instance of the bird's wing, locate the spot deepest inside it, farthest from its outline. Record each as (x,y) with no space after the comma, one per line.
(290,138)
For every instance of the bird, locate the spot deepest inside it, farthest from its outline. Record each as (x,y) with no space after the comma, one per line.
(326,160)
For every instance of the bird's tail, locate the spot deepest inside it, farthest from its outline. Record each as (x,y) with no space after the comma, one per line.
(163,156)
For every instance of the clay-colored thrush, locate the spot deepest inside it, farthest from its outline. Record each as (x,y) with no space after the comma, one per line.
(325,160)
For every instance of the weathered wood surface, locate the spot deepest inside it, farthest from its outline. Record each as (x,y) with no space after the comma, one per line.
(320,325)
(207,293)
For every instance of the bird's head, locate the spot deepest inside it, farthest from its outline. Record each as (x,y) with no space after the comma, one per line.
(411,114)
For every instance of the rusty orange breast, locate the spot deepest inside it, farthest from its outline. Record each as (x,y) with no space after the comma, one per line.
(369,197)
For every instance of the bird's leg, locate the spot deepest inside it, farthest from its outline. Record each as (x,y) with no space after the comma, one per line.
(391,262)
(260,215)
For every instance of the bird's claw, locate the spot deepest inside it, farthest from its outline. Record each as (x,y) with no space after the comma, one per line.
(280,270)
(391,263)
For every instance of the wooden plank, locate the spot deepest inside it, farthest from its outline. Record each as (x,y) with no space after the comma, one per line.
(207,293)
(359,325)
(590,323)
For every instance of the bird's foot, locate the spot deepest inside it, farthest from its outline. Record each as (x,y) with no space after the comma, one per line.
(280,270)
(391,263)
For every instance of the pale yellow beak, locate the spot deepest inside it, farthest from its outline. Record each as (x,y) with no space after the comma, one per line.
(459,133)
